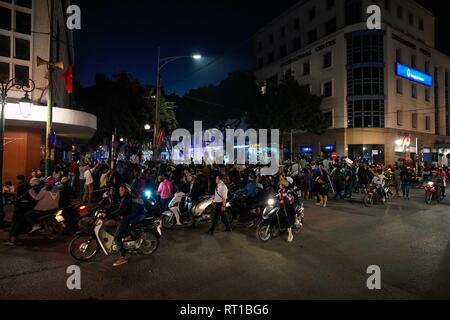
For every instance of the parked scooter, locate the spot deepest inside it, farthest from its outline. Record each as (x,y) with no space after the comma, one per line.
(141,238)
(187,212)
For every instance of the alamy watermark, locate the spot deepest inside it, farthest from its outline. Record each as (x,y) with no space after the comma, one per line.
(209,147)
(74,280)
(374,280)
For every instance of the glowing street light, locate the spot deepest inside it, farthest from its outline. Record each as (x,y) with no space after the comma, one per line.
(197,56)
(147,127)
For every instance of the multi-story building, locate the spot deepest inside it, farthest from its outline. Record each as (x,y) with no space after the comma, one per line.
(385,91)
(25,36)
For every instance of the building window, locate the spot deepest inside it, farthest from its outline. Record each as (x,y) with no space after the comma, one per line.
(261,62)
(297,23)
(282,31)
(24,3)
(399,86)
(297,44)
(427,67)
(399,118)
(414,120)
(312,13)
(427,123)
(5,18)
(421,24)
(22,49)
(306,68)
(5,46)
(327,60)
(365,83)
(271,58)
(399,12)
(414,91)
(398,55)
(4,72)
(328,115)
(330,27)
(410,18)
(330,4)
(312,36)
(21,73)
(327,90)
(283,51)
(413,61)
(427,94)
(23,22)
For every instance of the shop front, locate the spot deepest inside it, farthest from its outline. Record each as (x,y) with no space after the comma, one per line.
(370,153)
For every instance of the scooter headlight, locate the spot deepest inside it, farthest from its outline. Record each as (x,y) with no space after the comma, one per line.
(430,183)
(148,194)
(271,202)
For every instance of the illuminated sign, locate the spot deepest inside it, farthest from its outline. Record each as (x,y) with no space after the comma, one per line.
(329,148)
(307,149)
(413,75)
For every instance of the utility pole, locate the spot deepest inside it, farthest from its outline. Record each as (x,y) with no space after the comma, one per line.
(158,98)
(49,94)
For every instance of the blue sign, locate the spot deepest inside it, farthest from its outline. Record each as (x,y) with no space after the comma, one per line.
(306,149)
(413,75)
(329,148)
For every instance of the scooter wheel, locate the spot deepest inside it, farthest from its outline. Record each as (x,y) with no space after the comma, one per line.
(83,247)
(168,222)
(263,233)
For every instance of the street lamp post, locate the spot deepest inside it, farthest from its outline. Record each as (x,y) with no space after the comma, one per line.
(162,62)
(25,85)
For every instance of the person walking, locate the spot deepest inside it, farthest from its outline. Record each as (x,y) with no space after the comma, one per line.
(406,179)
(220,202)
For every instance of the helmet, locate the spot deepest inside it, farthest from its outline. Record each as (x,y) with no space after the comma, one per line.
(50,181)
(64,179)
(290,180)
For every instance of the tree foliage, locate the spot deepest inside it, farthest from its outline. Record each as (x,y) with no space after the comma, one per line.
(288,106)
(123,103)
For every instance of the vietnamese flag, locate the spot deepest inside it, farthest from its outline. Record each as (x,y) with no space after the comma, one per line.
(67,77)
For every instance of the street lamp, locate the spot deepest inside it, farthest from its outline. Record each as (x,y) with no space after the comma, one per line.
(147,127)
(25,85)
(162,62)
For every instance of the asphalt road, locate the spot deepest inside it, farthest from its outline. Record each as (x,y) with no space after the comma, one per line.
(408,240)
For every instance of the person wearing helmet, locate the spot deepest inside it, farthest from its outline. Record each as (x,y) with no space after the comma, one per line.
(124,211)
(47,200)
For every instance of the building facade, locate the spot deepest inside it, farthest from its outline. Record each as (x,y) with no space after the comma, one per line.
(25,36)
(385,91)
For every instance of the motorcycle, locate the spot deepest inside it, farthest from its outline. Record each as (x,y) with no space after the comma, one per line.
(274,220)
(51,222)
(141,238)
(373,195)
(189,213)
(433,192)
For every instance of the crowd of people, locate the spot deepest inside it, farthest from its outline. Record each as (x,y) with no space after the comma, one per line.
(318,179)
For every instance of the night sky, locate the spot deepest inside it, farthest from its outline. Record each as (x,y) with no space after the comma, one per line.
(124,35)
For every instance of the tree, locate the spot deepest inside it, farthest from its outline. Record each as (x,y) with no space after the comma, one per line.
(288,106)
(221,105)
(123,103)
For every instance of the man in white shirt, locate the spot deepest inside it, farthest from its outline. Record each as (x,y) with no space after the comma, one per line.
(220,202)
(89,183)
(82,168)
